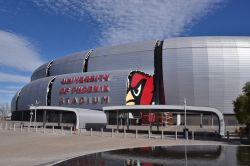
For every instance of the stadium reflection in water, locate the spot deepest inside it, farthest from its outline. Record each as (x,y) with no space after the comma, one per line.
(161,156)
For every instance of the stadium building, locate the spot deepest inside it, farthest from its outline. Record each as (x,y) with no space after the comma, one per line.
(145,82)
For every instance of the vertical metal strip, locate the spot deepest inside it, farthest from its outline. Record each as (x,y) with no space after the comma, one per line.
(159,96)
(48,68)
(49,89)
(86,60)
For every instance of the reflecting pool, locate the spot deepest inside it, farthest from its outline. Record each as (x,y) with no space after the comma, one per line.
(214,155)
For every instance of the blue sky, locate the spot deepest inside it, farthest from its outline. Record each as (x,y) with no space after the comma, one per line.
(33,32)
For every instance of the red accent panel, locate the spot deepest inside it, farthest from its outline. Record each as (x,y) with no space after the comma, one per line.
(147,91)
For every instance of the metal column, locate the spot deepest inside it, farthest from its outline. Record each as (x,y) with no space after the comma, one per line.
(127,119)
(44,118)
(201,120)
(60,118)
(117,120)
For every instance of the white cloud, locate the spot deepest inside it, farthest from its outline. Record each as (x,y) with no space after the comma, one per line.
(65,7)
(14,88)
(18,53)
(7,92)
(135,20)
(4,77)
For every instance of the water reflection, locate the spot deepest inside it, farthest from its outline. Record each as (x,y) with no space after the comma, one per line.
(243,155)
(161,156)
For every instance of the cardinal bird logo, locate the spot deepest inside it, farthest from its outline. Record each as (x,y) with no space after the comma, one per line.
(140,89)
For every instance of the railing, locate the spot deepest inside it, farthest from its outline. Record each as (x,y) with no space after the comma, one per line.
(162,134)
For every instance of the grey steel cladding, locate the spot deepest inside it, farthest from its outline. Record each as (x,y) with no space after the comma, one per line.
(68,64)
(35,90)
(208,71)
(116,93)
(14,101)
(132,56)
(38,90)
(40,72)
(72,63)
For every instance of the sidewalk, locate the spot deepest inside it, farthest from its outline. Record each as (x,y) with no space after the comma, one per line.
(39,148)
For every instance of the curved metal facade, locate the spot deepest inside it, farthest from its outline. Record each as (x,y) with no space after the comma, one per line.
(108,88)
(36,90)
(91,94)
(208,71)
(122,57)
(133,56)
(40,72)
(15,100)
(68,64)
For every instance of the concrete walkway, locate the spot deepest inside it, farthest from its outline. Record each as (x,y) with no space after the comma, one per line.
(38,148)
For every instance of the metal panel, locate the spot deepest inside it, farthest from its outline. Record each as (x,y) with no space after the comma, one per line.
(36,90)
(68,64)
(231,76)
(216,77)
(14,101)
(208,71)
(201,80)
(244,67)
(185,69)
(170,77)
(116,93)
(134,56)
(218,68)
(40,72)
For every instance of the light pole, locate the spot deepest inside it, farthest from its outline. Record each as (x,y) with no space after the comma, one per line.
(185,121)
(185,112)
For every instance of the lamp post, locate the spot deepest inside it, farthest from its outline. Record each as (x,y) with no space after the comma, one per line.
(185,112)
(185,119)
